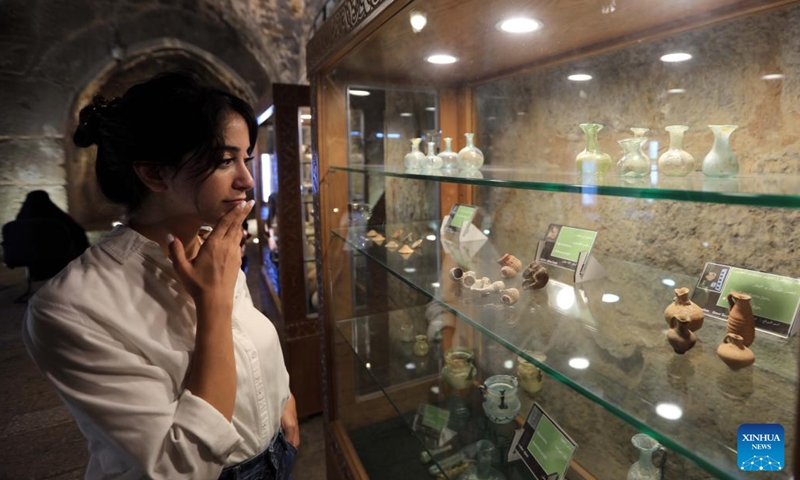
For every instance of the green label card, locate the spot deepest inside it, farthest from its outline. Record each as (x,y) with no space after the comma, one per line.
(564,244)
(544,447)
(461,215)
(775,299)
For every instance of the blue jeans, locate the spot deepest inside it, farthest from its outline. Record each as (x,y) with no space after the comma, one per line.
(274,463)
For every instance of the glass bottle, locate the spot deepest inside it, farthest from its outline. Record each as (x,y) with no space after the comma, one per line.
(721,161)
(448,156)
(407,332)
(432,161)
(644,468)
(530,376)
(483,469)
(676,162)
(634,163)
(470,157)
(421,346)
(591,161)
(459,371)
(414,159)
(639,131)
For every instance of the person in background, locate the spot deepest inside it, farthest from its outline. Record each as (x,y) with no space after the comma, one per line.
(151,338)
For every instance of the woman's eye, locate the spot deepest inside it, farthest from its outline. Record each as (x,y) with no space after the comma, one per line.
(226,162)
(249,159)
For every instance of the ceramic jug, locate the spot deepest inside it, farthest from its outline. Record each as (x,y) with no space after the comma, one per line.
(459,371)
(682,306)
(734,353)
(680,336)
(500,401)
(740,317)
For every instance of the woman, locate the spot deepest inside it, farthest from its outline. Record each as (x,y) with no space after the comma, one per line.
(151,338)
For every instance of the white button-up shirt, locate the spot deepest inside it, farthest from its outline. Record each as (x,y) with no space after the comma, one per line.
(114,333)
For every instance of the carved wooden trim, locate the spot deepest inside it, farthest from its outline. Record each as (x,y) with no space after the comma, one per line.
(334,33)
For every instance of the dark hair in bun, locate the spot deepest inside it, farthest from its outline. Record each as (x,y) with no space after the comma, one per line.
(172,120)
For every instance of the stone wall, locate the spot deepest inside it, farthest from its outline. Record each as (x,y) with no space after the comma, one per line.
(532,120)
(56,53)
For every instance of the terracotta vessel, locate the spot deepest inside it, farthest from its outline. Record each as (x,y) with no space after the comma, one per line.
(456,274)
(509,260)
(680,335)
(734,353)
(740,317)
(535,277)
(682,306)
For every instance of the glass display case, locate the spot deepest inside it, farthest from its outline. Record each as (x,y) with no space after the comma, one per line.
(667,131)
(286,237)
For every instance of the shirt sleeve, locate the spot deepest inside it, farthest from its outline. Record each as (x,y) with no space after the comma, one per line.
(131,403)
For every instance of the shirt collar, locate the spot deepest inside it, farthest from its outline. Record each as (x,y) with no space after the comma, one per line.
(122,242)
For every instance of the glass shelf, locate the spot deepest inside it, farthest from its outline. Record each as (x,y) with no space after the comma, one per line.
(616,324)
(767,190)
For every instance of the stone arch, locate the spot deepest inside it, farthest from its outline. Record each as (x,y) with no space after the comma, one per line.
(141,61)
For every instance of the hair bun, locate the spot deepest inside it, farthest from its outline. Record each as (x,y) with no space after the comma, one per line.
(88,131)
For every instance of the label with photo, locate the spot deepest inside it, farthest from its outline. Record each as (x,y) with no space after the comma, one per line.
(544,447)
(775,299)
(563,245)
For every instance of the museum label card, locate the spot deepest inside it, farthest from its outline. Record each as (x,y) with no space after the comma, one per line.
(563,245)
(775,299)
(544,447)
(460,215)
(431,421)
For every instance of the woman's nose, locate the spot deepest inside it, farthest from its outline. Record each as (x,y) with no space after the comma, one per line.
(244,179)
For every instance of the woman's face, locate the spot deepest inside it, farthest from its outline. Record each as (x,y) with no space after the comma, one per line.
(226,186)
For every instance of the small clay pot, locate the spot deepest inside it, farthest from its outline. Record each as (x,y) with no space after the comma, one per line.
(392,245)
(498,286)
(734,353)
(510,296)
(681,306)
(535,277)
(406,249)
(680,335)
(509,260)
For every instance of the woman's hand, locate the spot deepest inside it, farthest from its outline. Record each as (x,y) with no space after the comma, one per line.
(215,268)
(291,430)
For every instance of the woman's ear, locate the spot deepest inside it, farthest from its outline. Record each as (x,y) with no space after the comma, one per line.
(152,175)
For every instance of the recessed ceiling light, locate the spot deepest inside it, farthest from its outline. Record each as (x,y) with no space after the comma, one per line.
(668,282)
(430,109)
(305,116)
(255,240)
(418,21)
(519,25)
(431,237)
(670,411)
(610,298)
(773,76)
(406,114)
(520,113)
(676,57)
(359,93)
(580,77)
(509,364)
(676,90)
(441,59)
(579,363)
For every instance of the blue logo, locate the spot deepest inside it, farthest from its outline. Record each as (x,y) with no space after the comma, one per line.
(760,447)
